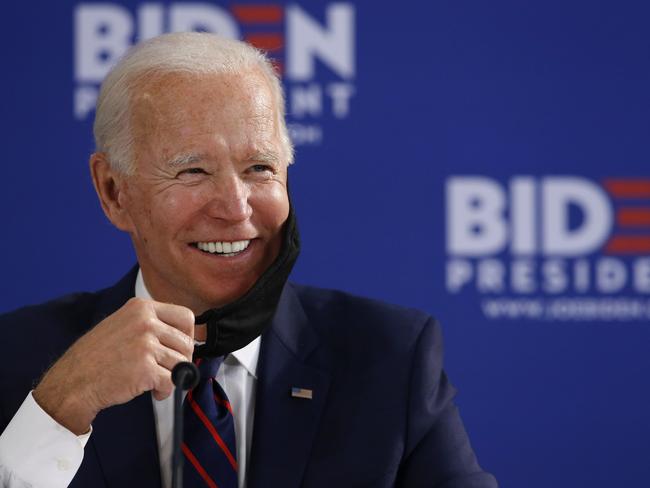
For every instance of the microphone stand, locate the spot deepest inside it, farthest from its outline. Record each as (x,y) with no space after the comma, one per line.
(185,376)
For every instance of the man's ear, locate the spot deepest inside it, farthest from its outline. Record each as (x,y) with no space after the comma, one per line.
(110,186)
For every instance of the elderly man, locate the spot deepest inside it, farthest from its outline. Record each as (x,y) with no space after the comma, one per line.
(317,388)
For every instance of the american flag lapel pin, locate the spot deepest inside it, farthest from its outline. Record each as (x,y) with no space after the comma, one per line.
(301,393)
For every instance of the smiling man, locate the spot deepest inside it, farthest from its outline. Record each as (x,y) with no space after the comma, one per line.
(300,387)
(206,203)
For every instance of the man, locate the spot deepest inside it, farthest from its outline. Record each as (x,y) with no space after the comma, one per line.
(191,161)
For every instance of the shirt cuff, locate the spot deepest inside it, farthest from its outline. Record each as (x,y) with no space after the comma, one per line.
(37,450)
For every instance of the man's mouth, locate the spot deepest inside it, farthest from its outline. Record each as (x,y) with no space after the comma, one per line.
(223,248)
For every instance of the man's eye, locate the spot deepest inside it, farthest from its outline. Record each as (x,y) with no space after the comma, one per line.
(192,171)
(259,168)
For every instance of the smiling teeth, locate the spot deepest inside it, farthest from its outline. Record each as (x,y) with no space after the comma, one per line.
(223,247)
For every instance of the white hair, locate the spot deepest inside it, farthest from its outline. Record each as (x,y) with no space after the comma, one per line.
(186,52)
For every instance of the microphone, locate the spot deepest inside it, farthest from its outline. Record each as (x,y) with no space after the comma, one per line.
(185,376)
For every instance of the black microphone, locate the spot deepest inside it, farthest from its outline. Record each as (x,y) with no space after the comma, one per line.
(185,376)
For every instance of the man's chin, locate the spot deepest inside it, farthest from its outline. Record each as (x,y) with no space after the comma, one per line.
(226,294)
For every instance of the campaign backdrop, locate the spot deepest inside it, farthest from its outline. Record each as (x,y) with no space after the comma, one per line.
(487,162)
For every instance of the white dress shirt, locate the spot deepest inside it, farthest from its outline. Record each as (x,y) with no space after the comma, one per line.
(36,451)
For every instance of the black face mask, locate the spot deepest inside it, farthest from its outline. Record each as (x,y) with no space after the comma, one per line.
(238,323)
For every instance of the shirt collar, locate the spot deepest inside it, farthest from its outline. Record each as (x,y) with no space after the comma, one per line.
(247,356)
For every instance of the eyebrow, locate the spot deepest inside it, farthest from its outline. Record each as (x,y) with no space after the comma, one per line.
(185,159)
(181,160)
(265,157)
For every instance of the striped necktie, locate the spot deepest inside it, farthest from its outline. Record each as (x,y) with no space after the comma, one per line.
(209,433)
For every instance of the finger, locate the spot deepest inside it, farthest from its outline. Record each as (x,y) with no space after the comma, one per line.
(168,358)
(177,316)
(176,340)
(163,386)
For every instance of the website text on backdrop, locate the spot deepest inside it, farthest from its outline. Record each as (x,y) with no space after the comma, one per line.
(323,388)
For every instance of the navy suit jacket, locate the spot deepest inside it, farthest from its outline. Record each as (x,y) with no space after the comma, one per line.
(381,414)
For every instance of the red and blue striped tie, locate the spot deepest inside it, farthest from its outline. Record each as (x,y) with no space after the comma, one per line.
(209,433)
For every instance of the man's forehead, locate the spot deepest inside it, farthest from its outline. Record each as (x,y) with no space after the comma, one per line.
(175,87)
(178,101)
(174,99)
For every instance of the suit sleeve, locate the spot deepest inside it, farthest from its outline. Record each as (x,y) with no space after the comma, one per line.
(36,451)
(438,453)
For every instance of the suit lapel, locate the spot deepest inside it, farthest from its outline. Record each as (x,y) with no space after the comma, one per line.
(285,426)
(124,436)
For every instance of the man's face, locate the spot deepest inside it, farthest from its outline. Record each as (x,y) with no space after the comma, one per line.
(206,204)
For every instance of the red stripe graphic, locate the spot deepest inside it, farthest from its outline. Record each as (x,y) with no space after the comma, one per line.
(267,42)
(197,465)
(633,217)
(208,425)
(628,245)
(221,401)
(258,14)
(628,188)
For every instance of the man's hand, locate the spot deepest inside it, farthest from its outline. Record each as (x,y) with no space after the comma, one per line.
(128,353)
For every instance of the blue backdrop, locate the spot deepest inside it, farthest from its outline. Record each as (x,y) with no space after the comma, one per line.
(484,161)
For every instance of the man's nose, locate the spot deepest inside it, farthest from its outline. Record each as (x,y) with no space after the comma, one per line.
(229,199)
